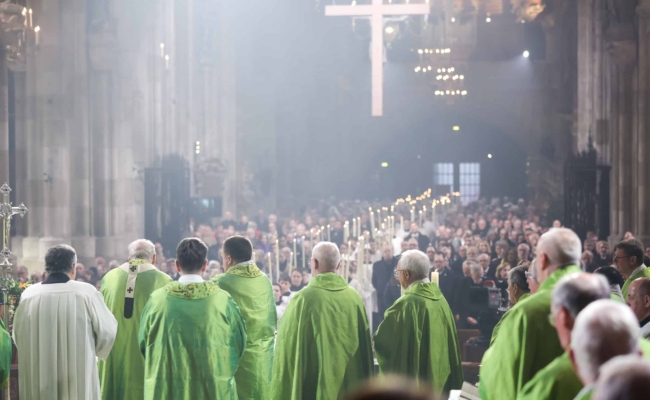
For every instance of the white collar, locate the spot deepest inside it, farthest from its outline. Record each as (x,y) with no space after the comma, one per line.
(425,280)
(190,278)
(638,269)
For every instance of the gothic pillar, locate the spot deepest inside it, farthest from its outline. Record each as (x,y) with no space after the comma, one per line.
(583,129)
(643,122)
(75,75)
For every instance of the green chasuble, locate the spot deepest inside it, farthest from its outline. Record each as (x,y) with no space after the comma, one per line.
(556,381)
(6,348)
(526,342)
(192,337)
(418,339)
(126,290)
(253,293)
(323,348)
(639,273)
(498,325)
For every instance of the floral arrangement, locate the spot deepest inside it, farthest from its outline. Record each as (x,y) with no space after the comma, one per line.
(14,290)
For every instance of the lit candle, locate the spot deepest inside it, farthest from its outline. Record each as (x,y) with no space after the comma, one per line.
(346,231)
(379,216)
(302,247)
(270,267)
(25,17)
(167,62)
(294,254)
(401,221)
(162,50)
(31,21)
(434,277)
(290,264)
(354,227)
(412,214)
(329,239)
(372,223)
(37,31)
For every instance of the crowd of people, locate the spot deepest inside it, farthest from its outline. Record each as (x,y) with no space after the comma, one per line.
(570,309)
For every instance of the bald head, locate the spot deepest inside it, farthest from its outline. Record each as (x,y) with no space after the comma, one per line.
(638,298)
(574,292)
(326,258)
(603,330)
(626,378)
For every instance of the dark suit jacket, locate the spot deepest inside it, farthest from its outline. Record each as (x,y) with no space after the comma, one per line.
(447,282)
(382,273)
(423,241)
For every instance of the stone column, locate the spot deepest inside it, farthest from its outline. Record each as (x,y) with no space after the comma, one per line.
(75,76)
(643,123)
(585,97)
(21,150)
(52,122)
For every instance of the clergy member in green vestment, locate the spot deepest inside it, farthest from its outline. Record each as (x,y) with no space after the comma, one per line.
(604,330)
(253,293)
(6,348)
(518,291)
(558,380)
(526,341)
(323,347)
(628,260)
(126,290)
(417,337)
(192,334)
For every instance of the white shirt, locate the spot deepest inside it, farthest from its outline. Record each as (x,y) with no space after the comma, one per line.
(190,278)
(425,280)
(60,330)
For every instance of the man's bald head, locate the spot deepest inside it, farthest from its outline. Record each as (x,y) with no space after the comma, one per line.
(638,298)
(624,378)
(325,258)
(604,329)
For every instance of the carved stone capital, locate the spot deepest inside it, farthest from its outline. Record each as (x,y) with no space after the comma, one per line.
(12,34)
(102,44)
(621,44)
(643,9)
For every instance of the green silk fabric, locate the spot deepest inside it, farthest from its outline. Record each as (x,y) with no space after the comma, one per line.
(418,339)
(6,349)
(323,347)
(253,293)
(193,337)
(524,343)
(556,381)
(643,273)
(121,376)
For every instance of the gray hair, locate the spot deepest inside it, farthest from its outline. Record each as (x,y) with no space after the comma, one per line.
(576,291)
(214,264)
(603,330)
(525,245)
(561,245)
(416,262)
(474,267)
(623,377)
(517,276)
(328,256)
(142,249)
(113,264)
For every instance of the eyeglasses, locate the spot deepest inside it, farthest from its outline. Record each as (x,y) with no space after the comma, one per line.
(620,257)
(397,271)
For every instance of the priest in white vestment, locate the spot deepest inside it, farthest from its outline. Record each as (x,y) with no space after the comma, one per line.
(60,328)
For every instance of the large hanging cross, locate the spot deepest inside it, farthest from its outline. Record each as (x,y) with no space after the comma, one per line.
(376,12)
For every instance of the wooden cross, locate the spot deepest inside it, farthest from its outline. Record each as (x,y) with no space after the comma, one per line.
(376,12)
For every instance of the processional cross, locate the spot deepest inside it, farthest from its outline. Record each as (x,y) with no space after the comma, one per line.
(6,213)
(376,12)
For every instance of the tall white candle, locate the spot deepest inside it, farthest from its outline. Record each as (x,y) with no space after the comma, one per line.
(329,239)
(346,231)
(302,247)
(31,21)
(162,50)
(290,265)
(372,224)
(270,267)
(277,255)
(412,214)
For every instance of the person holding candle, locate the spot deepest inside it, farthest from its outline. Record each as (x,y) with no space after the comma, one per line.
(423,240)
(418,337)
(447,279)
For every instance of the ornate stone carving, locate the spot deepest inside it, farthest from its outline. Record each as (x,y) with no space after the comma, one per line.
(527,10)
(620,42)
(643,9)
(12,34)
